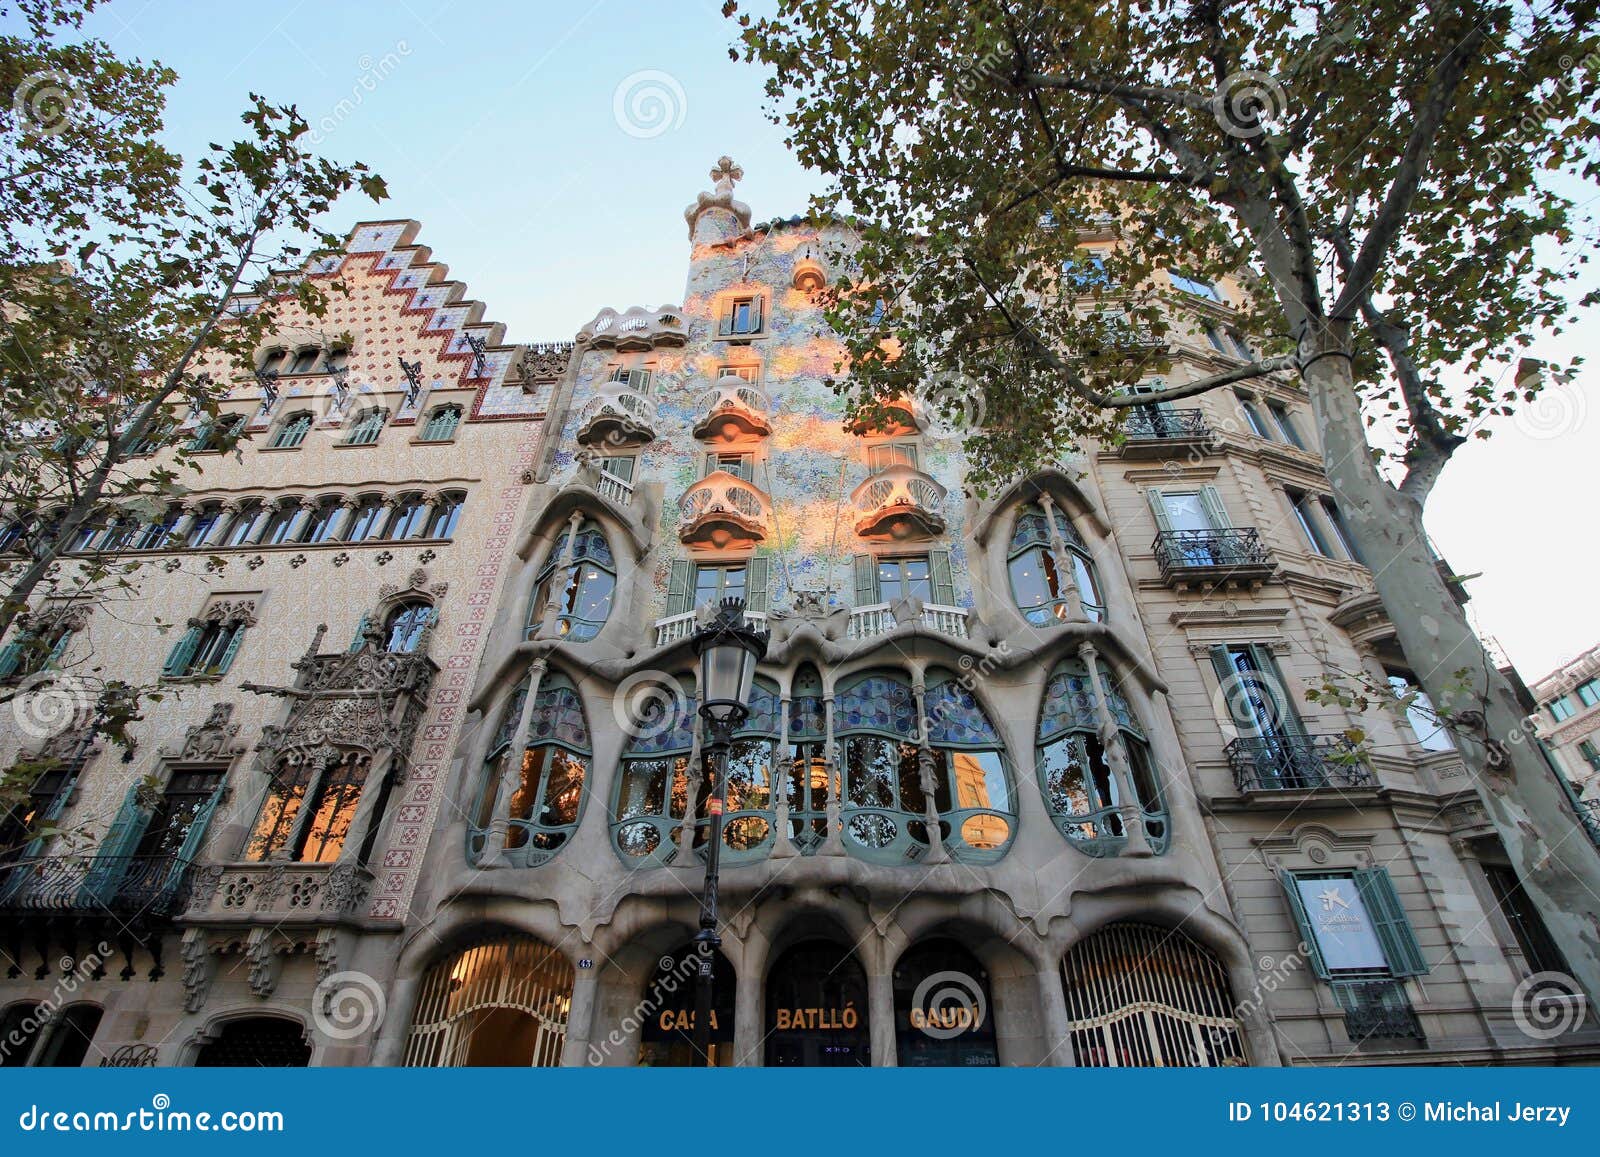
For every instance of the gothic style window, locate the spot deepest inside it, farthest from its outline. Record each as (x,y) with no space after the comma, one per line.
(293,431)
(272,1042)
(239,529)
(46,799)
(366,520)
(891,779)
(365,429)
(178,823)
(446,515)
(319,527)
(68,1037)
(305,361)
(215,435)
(441,424)
(276,531)
(1037,582)
(402,631)
(409,515)
(582,590)
(212,641)
(543,797)
(200,527)
(1081,789)
(329,794)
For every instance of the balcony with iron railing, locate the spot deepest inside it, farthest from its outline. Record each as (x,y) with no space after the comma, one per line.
(1159,431)
(1211,558)
(733,409)
(1589,817)
(1296,763)
(618,415)
(724,511)
(899,503)
(1376,1008)
(120,888)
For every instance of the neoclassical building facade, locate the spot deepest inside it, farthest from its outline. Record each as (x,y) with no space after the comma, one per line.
(1029,777)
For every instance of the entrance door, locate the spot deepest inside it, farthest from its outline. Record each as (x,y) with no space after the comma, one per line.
(943,1011)
(817,1008)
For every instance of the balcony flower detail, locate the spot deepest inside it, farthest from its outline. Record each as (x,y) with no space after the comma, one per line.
(618,415)
(724,511)
(733,409)
(899,503)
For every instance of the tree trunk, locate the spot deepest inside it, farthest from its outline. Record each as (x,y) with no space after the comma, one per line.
(1547,844)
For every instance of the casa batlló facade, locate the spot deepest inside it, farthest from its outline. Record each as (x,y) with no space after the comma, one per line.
(1029,778)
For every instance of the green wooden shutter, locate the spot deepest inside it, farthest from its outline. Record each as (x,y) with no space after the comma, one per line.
(1389,921)
(758,584)
(190,848)
(1158,507)
(618,467)
(58,804)
(679,591)
(943,581)
(1302,921)
(1211,502)
(233,649)
(121,838)
(866,580)
(11,657)
(182,654)
(755,315)
(361,630)
(1287,711)
(59,649)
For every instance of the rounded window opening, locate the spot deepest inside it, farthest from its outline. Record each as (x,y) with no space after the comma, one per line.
(1050,567)
(538,798)
(943,1008)
(817,1008)
(667,1036)
(273,1042)
(404,625)
(577,584)
(1143,996)
(503,1002)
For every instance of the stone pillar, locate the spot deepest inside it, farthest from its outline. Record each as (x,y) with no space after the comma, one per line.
(494,847)
(226,513)
(880,1009)
(179,534)
(782,846)
(430,502)
(304,509)
(341,516)
(748,1033)
(552,611)
(927,777)
(1066,574)
(1053,1021)
(580,1016)
(1117,757)
(259,524)
(371,792)
(833,844)
(302,818)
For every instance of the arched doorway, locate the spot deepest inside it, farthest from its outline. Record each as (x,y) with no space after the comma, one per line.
(501,1002)
(273,1042)
(943,1008)
(817,1008)
(1142,996)
(666,1034)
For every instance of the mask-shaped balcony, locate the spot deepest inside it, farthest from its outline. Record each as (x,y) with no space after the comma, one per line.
(637,329)
(724,511)
(899,503)
(616,416)
(733,409)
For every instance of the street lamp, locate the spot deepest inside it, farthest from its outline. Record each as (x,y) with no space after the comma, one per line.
(729,651)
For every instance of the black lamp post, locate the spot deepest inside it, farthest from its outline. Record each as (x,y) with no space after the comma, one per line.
(729,651)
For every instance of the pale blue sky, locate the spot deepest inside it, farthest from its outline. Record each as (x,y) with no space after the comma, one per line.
(495,125)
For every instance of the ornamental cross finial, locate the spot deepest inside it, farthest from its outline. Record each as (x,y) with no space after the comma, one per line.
(725,174)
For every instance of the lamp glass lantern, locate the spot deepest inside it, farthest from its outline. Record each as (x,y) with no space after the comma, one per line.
(729,651)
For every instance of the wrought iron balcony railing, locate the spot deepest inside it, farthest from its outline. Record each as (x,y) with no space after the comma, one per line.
(1377,1007)
(1297,763)
(1589,817)
(127,887)
(1212,555)
(1163,424)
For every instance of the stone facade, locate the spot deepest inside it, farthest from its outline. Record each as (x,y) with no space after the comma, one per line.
(1568,719)
(1049,748)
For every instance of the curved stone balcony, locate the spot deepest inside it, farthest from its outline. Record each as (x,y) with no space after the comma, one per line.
(724,511)
(900,503)
(733,409)
(617,415)
(637,329)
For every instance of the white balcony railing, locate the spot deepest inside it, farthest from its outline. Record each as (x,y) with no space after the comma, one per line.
(617,490)
(617,414)
(733,402)
(877,619)
(675,627)
(898,499)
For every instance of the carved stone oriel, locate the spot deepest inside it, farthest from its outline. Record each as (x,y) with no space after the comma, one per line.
(215,740)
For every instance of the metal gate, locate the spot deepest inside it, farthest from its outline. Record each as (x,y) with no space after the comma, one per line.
(1139,995)
(456,1023)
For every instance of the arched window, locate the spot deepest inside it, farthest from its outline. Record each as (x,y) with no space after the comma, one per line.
(216,434)
(808,783)
(331,793)
(1142,996)
(582,590)
(667,1031)
(319,527)
(239,529)
(653,789)
(812,992)
(67,1037)
(409,515)
(202,524)
(446,515)
(403,628)
(293,430)
(888,774)
(441,424)
(12,534)
(271,1042)
(305,361)
(366,520)
(337,362)
(19,1031)
(1080,788)
(276,531)
(944,1010)
(544,796)
(365,429)
(154,535)
(275,361)
(1036,578)
(503,1002)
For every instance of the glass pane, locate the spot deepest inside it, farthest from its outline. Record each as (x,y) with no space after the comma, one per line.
(563,792)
